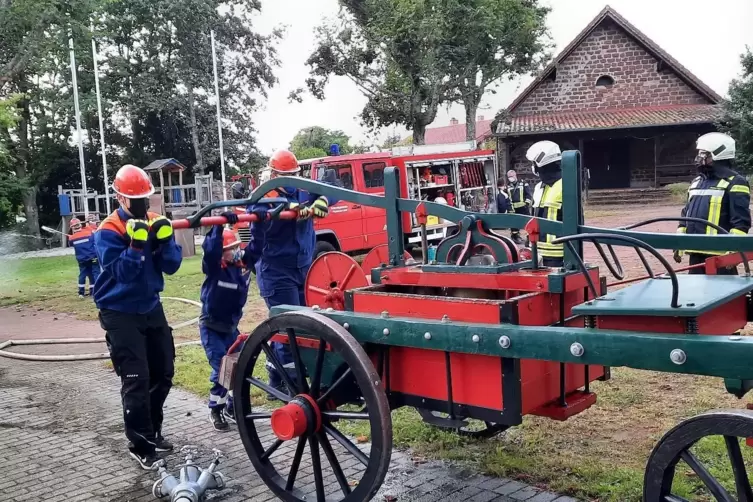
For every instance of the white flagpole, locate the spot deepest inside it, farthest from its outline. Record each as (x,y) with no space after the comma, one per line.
(101,123)
(219,116)
(74,82)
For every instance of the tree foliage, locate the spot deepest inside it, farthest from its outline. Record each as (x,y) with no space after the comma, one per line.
(313,142)
(391,49)
(157,86)
(738,116)
(491,40)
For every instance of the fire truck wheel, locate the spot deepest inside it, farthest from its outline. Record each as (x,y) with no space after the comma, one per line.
(685,449)
(310,418)
(322,247)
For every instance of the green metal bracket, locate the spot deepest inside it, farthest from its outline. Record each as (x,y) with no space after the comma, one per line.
(470,234)
(395,236)
(718,356)
(572,206)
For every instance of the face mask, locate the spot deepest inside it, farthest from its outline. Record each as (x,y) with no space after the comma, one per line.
(237,255)
(512,180)
(550,176)
(138,207)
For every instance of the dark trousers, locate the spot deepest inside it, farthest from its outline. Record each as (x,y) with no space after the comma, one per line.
(143,354)
(216,345)
(696,259)
(87,269)
(525,210)
(282,287)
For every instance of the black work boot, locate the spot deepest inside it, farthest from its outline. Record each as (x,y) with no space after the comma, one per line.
(217,417)
(162,444)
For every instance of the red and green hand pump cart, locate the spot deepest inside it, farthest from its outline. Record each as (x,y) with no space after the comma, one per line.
(480,337)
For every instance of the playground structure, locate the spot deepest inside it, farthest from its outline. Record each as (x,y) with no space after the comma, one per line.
(479,337)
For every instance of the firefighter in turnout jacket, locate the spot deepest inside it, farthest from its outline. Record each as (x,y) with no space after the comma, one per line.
(718,195)
(546,158)
(223,296)
(82,240)
(135,248)
(282,252)
(521,199)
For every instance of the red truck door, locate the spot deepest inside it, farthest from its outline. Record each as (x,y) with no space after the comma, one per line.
(374,222)
(344,219)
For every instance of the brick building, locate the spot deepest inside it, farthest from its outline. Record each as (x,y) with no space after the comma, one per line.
(630,108)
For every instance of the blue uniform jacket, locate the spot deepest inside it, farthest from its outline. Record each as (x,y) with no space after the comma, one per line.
(131,280)
(284,243)
(83,244)
(225,287)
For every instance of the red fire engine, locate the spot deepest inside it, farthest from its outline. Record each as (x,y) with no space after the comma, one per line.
(453,174)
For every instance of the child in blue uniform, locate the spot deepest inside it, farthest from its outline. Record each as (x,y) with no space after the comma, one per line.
(282,252)
(82,240)
(135,248)
(223,296)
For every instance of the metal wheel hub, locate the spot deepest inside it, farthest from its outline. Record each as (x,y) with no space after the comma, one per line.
(301,416)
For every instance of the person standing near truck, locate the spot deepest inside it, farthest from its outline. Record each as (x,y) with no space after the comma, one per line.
(718,195)
(82,241)
(282,251)
(521,199)
(546,160)
(135,248)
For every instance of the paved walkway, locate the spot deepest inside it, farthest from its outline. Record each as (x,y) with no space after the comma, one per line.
(61,439)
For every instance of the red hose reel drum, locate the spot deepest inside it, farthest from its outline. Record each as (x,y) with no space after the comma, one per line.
(330,276)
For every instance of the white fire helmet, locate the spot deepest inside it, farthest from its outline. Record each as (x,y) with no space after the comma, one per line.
(720,146)
(542,153)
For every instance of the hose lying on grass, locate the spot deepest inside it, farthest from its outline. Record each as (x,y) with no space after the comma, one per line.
(70,341)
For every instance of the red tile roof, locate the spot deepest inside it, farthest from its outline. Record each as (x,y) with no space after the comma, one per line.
(456,133)
(609,119)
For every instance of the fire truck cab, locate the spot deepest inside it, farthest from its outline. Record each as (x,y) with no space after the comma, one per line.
(455,174)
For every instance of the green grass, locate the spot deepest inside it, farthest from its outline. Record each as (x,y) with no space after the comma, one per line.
(679,192)
(597,455)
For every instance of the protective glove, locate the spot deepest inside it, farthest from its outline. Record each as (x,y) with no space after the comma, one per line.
(677,255)
(161,229)
(318,209)
(138,231)
(230,216)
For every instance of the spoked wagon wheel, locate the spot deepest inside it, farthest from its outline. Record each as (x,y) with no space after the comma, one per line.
(665,461)
(472,428)
(282,444)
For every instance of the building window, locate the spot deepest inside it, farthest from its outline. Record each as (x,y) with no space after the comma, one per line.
(604,82)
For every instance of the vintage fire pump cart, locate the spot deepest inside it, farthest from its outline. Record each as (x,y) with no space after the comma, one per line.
(480,336)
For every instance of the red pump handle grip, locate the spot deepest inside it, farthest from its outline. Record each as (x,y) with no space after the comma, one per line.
(221,220)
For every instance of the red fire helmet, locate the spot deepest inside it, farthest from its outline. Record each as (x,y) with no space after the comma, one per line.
(230,239)
(132,182)
(284,162)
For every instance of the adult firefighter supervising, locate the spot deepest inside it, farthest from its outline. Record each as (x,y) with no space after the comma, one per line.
(135,248)
(520,198)
(82,240)
(282,250)
(546,158)
(718,195)
(223,295)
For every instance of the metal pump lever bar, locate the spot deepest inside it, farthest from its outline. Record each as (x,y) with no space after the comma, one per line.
(278,212)
(636,243)
(685,219)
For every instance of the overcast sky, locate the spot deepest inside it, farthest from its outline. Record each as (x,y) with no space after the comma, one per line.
(706,36)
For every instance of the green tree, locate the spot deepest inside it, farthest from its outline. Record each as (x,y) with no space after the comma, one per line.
(315,141)
(11,189)
(391,49)
(491,40)
(738,113)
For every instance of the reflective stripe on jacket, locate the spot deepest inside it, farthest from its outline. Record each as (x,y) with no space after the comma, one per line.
(547,203)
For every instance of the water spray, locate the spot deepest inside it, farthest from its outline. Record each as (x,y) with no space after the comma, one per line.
(193,481)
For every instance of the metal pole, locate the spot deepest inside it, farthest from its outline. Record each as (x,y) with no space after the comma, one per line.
(219,116)
(74,82)
(101,123)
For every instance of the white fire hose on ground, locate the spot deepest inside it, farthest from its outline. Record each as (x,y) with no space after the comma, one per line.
(69,341)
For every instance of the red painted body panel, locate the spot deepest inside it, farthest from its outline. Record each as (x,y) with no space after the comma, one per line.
(477,380)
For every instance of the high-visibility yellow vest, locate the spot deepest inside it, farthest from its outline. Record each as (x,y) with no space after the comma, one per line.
(547,203)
